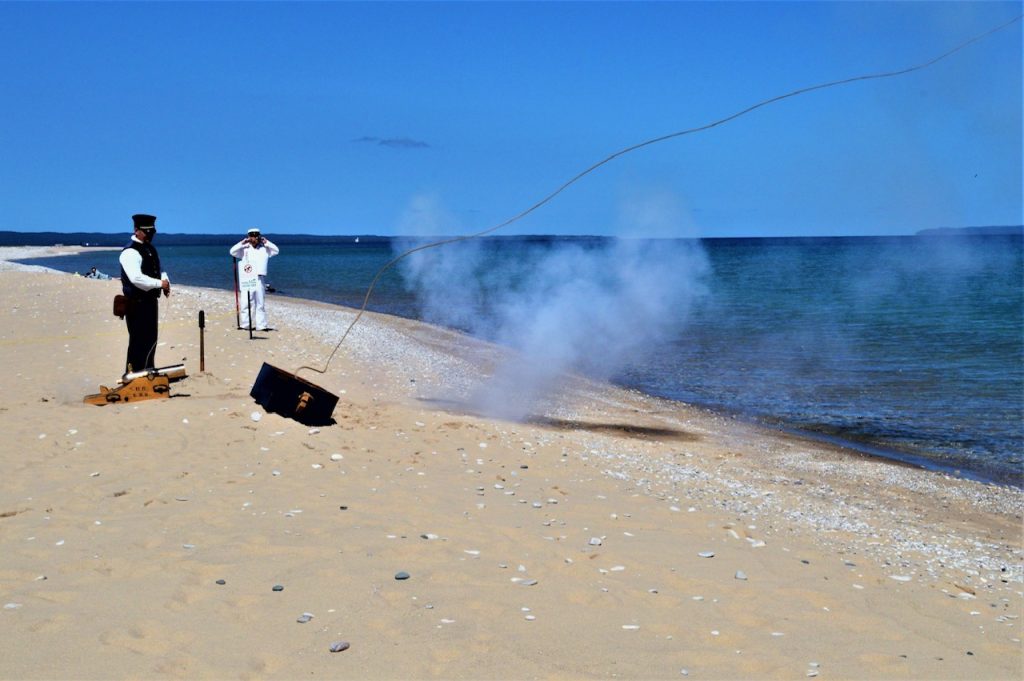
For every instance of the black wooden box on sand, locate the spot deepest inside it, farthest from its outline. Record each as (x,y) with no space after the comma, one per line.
(286,394)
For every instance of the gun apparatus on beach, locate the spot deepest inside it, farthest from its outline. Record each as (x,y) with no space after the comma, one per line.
(150,384)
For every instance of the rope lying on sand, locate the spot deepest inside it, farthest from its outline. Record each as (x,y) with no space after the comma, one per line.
(655,140)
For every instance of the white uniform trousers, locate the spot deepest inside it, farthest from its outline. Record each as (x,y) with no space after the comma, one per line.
(257,300)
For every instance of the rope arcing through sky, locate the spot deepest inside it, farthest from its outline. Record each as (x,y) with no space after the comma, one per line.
(655,140)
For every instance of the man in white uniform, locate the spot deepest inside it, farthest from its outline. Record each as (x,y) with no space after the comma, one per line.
(254,251)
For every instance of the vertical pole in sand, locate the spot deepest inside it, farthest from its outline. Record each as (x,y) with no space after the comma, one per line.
(248,306)
(202,344)
(234,268)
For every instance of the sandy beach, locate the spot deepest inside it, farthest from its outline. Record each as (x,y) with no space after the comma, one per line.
(610,535)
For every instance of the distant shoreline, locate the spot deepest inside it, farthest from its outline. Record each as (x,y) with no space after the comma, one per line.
(118,239)
(972,231)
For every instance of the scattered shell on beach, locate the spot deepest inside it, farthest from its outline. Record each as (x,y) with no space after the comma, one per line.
(255,416)
(706,554)
(595,541)
(741,575)
(336,457)
(304,617)
(401,575)
(900,578)
(339,646)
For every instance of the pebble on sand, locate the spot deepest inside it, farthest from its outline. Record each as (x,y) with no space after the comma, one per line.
(278,587)
(339,646)
(401,575)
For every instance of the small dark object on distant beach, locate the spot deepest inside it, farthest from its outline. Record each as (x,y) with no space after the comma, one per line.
(221,582)
(343,508)
(402,575)
(278,587)
(339,646)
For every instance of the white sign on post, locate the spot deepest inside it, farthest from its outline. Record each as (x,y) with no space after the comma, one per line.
(248,280)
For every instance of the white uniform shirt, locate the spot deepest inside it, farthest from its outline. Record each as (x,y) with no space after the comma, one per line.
(131,261)
(257,257)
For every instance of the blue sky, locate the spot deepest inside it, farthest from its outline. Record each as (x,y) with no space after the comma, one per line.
(450,118)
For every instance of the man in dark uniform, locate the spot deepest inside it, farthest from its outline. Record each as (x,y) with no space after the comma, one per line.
(142,280)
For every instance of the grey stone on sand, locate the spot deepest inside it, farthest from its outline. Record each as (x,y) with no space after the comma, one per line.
(401,575)
(339,646)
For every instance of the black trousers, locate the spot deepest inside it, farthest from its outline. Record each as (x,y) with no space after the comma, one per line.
(142,329)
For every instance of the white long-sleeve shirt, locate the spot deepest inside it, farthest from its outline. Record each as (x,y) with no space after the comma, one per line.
(131,261)
(256,256)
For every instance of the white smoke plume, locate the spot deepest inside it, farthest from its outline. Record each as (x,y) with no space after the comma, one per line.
(585,306)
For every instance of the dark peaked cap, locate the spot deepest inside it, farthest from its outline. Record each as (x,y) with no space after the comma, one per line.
(142,220)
